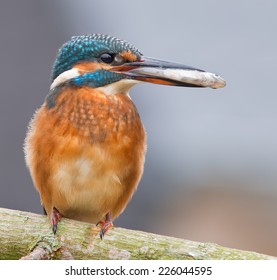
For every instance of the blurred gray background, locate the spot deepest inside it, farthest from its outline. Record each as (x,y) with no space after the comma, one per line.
(211,166)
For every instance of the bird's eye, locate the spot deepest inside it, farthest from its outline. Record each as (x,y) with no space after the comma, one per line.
(107,58)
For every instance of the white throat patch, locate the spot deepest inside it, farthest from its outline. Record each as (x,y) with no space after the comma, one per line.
(123,86)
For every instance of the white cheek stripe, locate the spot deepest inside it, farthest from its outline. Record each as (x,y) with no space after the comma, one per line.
(122,86)
(65,76)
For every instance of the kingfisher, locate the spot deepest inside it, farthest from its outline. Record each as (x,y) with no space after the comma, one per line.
(85,146)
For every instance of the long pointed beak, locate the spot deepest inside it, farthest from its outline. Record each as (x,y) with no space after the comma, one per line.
(169,73)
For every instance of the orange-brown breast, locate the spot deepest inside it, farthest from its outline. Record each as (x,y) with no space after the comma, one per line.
(86,153)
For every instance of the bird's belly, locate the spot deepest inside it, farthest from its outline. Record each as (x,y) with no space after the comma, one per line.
(89,186)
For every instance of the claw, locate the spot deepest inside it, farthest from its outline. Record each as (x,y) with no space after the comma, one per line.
(105,228)
(55,218)
(101,223)
(105,225)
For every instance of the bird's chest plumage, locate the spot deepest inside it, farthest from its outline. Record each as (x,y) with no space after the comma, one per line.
(86,153)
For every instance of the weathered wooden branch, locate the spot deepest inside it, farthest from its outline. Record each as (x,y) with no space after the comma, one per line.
(29,236)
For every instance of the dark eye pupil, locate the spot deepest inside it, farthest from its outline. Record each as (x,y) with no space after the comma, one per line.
(107,58)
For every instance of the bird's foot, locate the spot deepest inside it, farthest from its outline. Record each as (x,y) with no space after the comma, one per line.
(55,218)
(105,225)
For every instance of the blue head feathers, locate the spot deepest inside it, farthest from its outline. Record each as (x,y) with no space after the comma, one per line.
(88,48)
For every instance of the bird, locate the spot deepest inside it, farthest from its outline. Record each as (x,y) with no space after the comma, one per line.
(85,146)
